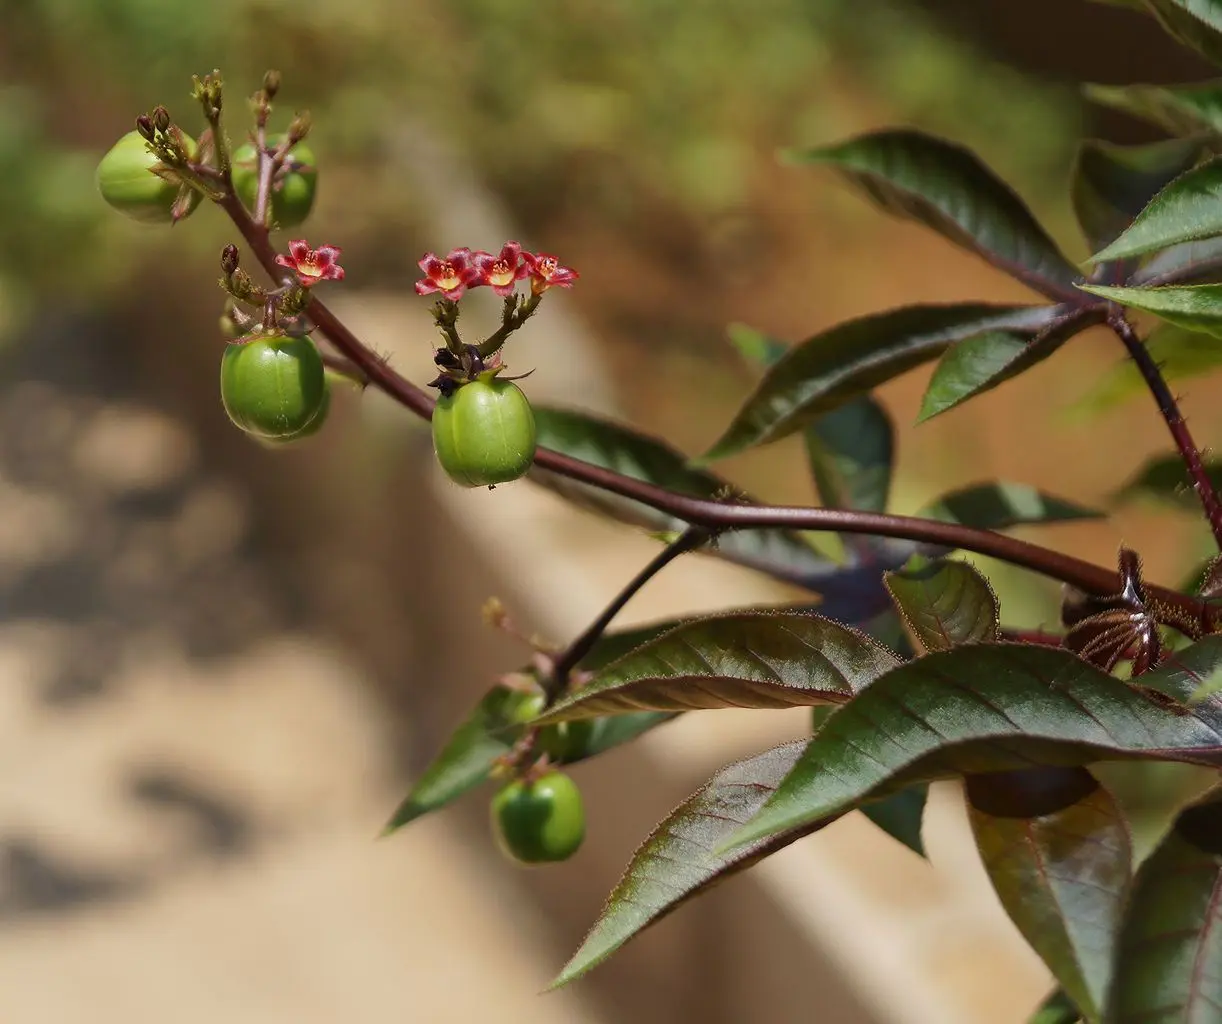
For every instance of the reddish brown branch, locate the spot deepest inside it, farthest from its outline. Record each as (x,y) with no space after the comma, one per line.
(1186,613)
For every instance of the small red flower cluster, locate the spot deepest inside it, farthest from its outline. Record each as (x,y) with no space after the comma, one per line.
(312,265)
(464,268)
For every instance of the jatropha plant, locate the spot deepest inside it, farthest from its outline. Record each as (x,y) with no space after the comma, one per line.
(902,651)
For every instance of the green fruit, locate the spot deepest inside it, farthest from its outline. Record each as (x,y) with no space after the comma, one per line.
(484,433)
(126,181)
(311,428)
(539,822)
(563,741)
(292,194)
(273,387)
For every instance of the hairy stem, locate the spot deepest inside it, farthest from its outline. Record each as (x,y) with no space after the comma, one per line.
(1169,407)
(1191,615)
(554,686)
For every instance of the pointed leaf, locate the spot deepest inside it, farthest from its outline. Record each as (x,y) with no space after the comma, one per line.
(900,816)
(1062,877)
(1169,963)
(1000,505)
(679,859)
(1197,262)
(994,708)
(947,188)
(945,603)
(1195,307)
(852,358)
(491,730)
(1113,184)
(1189,208)
(1195,23)
(1180,109)
(1165,479)
(979,364)
(752,660)
(780,553)
(1181,355)
(850,449)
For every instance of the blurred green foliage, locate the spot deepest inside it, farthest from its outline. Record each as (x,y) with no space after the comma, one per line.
(610,111)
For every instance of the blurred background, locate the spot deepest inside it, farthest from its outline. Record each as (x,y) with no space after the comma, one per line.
(221,664)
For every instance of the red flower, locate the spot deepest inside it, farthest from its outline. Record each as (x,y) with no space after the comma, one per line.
(312,265)
(546,271)
(501,272)
(451,276)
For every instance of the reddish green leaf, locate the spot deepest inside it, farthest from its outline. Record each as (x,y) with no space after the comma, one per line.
(947,188)
(1195,23)
(945,603)
(1113,184)
(1062,877)
(1180,109)
(1188,208)
(824,372)
(850,449)
(780,553)
(900,816)
(490,732)
(1000,505)
(753,660)
(679,860)
(997,707)
(1164,478)
(1195,307)
(1169,965)
(979,364)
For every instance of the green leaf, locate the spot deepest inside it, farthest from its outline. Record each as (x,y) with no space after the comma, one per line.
(679,859)
(991,708)
(1058,1008)
(947,188)
(1000,505)
(1195,23)
(1180,109)
(1189,208)
(945,603)
(1169,962)
(1181,355)
(850,449)
(1062,878)
(1113,184)
(1195,307)
(780,553)
(490,732)
(1197,262)
(824,372)
(752,660)
(466,759)
(900,816)
(1165,479)
(978,364)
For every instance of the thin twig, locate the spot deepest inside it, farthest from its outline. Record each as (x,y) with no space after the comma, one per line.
(1188,614)
(1170,409)
(567,660)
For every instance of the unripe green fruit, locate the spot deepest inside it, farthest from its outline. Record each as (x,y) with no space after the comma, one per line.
(273,387)
(127,183)
(292,195)
(539,822)
(484,433)
(311,428)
